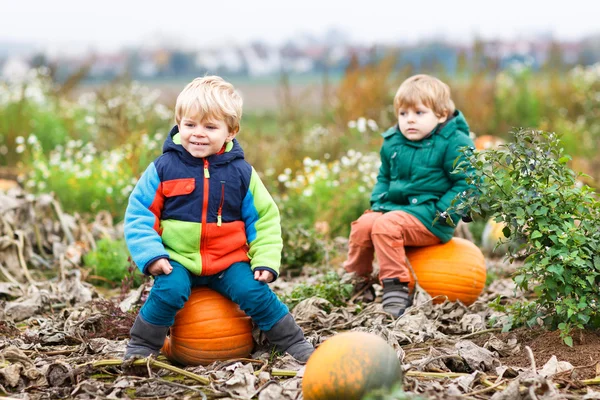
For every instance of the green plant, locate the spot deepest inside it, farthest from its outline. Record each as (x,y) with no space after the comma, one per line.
(83,179)
(582,120)
(120,113)
(89,152)
(336,192)
(330,289)
(110,263)
(518,102)
(29,106)
(528,186)
(301,246)
(490,277)
(476,228)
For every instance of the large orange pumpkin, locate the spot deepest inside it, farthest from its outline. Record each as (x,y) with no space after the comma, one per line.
(455,269)
(208,328)
(349,365)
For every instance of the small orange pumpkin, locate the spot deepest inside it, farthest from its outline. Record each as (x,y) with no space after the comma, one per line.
(7,184)
(487,142)
(348,365)
(455,269)
(208,328)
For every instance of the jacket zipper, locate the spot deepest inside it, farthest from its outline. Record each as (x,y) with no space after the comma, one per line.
(203,235)
(220,212)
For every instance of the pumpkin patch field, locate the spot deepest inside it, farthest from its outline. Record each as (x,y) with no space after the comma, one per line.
(61,337)
(515,319)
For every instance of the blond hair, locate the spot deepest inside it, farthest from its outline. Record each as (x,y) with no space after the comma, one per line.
(210,98)
(427,90)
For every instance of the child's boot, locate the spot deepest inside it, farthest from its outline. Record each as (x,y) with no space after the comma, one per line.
(396,296)
(287,336)
(146,339)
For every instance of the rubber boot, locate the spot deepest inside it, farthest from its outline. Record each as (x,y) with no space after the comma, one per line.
(146,339)
(287,336)
(396,296)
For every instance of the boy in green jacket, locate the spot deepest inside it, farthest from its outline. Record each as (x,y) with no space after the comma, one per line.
(415,183)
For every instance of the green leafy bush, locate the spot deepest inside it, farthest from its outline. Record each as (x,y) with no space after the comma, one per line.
(554,219)
(110,263)
(330,289)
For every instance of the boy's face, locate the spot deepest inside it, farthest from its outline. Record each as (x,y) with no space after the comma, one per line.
(204,138)
(418,121)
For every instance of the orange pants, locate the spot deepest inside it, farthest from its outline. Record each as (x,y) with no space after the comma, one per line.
(385,236)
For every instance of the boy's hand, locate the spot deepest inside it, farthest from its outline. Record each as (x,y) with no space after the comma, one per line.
(264,276)
(159,267)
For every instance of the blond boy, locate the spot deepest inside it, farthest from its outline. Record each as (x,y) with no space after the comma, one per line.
(414,184)
(200,216)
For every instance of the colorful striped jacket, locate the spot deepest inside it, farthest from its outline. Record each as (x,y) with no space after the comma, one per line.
(204,213)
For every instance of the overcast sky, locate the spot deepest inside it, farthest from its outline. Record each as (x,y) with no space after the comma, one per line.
(112,24)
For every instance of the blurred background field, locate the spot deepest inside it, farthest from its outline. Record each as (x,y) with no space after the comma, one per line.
(85,127)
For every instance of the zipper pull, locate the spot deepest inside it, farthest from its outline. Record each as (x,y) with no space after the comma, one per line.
(206,173)
(220,210)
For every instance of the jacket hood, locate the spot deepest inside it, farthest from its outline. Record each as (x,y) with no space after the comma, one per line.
(172,143)
(456,122)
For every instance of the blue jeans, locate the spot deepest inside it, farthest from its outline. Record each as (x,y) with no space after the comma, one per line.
(237,283)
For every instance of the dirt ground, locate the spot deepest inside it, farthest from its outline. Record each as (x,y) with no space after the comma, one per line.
(584,355)
(64,338)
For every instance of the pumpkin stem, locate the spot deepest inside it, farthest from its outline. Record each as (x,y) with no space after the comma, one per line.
(283,372)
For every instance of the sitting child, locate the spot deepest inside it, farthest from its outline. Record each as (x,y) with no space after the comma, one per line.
(415,183)
(200,215)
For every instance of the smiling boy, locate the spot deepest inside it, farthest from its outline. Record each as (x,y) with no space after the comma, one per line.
(201,216)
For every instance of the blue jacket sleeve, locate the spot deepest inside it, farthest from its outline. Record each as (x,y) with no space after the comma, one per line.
(142,220)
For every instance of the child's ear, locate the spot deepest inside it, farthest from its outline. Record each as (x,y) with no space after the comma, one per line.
(232,135)
(443,117)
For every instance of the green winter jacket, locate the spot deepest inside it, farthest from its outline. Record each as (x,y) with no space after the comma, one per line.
(416,177)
